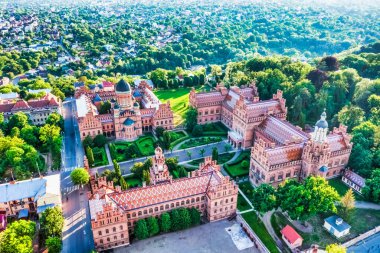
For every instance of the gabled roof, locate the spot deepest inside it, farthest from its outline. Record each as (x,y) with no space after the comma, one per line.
(20,104)
(34,188)
(340,226)
(290,234)
(355,178)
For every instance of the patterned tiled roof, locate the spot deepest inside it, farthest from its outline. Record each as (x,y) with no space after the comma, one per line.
(358,180)
(150,195)
(336,142)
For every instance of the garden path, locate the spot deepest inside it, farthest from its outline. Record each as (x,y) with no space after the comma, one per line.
(268,225)
(108,154)
(366,205)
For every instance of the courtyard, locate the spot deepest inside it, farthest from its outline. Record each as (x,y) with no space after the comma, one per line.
(210,238)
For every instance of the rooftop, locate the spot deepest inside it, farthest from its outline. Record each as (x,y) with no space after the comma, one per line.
(290,234)
(337,223)
(33,188)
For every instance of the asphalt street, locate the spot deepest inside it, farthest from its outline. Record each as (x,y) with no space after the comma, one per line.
(180,154)
(77,236)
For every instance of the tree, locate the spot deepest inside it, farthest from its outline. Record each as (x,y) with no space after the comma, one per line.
(138,169)
(54,244)
(191,116)
(19,120)
(215,154)
(195,216)
(51,222)
(153,227)
(347,204)
(335,248)
(182,172)
(141,230)
(105,107)
(123,183)
(188,153)
(99,141)
(172,163)
(80,176)
(202,152)
(146,177)
(371,191)
(165,222)
(227,147)
(160,131)
(302,201)
(166,139)
(55,119)
(88,142)
(18,237)
(351,116)
(90,155)
(175,218)
(185,219)
(197,131)
(264,198)
(245,164)
(329,63)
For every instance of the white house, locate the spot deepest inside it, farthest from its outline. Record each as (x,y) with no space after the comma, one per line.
(336,226)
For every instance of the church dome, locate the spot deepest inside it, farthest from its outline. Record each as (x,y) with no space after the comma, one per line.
(123,86)
(322,123)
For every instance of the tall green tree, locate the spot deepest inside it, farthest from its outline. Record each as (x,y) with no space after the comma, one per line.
(185,219)
(215,154)
(195,216)
(90,156)
(371,191)
(166,223)
(191,118)
(153,227)
(264,198)
(18,237)
(54,244)
(166,139)
(141,229)
(175,218)
(51,222)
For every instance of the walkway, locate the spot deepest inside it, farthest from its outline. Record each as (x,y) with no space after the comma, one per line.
(268,225)
(366,205)
(108,154)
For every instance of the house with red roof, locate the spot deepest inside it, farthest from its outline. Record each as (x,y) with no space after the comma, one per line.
(291,237)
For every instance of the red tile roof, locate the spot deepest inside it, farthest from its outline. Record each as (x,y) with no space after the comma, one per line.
(290,234)
(20,104)
(107,84)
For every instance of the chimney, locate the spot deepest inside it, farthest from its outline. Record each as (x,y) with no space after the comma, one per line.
(338,221)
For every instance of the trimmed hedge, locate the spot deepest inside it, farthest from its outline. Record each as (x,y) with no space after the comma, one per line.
(234,169)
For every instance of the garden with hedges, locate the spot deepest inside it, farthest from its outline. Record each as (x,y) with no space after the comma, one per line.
(123,150)
(240,166)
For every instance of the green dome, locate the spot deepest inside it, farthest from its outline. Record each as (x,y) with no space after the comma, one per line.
(123,86)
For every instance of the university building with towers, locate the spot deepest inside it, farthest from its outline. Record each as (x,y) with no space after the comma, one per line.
(279,150)
(114,212)
(133,111)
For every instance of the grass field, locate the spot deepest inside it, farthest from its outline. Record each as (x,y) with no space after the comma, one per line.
(342,188)
(361,221)
(145,145)
(242,204)
(234,169)
(179,100)
(258,227)
(200,141)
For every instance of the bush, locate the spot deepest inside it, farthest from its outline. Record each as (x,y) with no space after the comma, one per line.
(197,131)
(99,141)
(141,230)
(152,226)
(245,164)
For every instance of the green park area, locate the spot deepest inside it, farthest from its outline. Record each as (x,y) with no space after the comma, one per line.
(342,188)
(259,228)
(242,204)
(123,150)
(240,166)
(361,221)
(195,142)
(100,156)
(179,99)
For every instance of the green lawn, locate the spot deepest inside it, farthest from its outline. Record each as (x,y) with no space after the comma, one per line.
(342,188)
(258,227)
(133,181)
(222,158)
(100,157)
(246,188)
(242,204)
(145,145)
(200,141)
(234,168)
(179,100)
(361,221)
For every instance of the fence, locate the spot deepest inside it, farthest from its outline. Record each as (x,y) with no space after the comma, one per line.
(255,239)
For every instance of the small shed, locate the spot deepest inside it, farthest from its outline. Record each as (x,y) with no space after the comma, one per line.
(291,237)
(353,180)
(336,226)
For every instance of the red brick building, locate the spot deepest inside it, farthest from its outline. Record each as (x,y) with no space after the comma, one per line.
(133,111)
(115,212)
(280,150)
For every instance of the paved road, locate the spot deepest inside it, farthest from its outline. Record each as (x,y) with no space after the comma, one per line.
(77,236)
(181,154)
